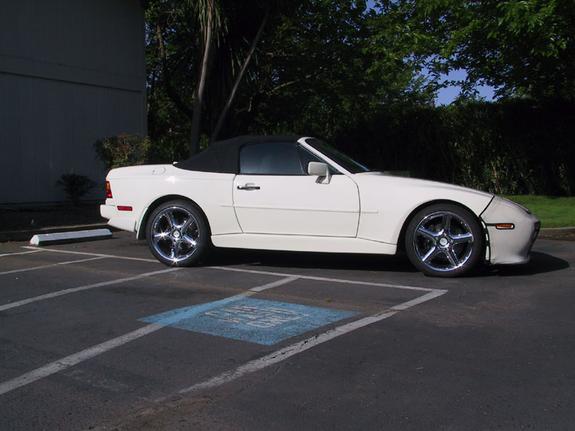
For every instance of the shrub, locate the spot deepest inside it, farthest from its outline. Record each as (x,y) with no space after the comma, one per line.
(509,147)
(123,150)
(75,186)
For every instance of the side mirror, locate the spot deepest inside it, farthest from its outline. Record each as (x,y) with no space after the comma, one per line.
(320,170)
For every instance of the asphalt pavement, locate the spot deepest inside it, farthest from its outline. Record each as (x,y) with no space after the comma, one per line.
(98,335)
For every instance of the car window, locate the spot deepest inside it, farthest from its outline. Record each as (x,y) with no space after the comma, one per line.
(307,156)
(271,158)
(341,159)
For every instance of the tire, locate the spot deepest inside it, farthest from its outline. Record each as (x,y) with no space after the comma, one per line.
(445,240)
(178,233)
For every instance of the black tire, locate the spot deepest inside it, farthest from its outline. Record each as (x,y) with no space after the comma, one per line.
(441,252)
(178,233)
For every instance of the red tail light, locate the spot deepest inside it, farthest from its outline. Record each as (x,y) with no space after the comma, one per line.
(108,190)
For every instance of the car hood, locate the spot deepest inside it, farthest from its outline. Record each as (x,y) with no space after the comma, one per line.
(374,177)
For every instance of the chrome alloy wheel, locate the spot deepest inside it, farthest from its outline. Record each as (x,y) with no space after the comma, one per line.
(443,241)
(175,234)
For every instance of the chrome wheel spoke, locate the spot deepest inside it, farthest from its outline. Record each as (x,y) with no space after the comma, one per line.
(430,235)
(174,251)
(190,241)
(187,224)
(452,257)
(161,236)
(171,219)
(462,238)
(446,223)
(430,254)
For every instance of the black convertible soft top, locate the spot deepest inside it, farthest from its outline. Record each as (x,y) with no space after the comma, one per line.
(223,156)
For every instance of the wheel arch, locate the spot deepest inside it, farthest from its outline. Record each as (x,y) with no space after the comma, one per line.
(401,238)
(141,233)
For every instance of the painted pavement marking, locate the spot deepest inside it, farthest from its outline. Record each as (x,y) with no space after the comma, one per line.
(58,293)
(85,253)
(253,271)
(301,346)
(248,368)
(91,352)
(328,279)
(21,252)
(75,359)
(51,265)
(253,320)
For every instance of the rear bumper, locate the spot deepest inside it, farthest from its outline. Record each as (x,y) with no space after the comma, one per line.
(118,219)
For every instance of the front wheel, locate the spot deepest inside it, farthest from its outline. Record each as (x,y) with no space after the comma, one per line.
(444,240)
(178,234)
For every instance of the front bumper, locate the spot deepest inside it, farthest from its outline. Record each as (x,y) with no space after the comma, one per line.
(510,246)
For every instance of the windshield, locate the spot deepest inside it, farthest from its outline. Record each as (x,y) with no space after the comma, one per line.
(341,159)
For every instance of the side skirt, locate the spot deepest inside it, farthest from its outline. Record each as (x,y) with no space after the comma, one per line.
(320,244)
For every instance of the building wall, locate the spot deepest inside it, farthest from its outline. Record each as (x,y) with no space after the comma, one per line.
(71,72)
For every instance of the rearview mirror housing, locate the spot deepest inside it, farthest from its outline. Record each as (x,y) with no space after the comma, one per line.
(320,170)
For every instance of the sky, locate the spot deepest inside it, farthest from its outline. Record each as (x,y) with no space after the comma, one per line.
(447,95)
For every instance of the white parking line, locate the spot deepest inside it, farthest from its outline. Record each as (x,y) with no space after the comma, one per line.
(21,252)
(253,271)
(84,253)
(34,268)
(302,346)
(328,279)
(58,293)
(76,358)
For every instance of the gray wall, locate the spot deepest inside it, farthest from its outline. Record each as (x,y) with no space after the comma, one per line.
(71,72)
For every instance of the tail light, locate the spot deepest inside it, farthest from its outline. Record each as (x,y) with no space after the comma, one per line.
(108,190)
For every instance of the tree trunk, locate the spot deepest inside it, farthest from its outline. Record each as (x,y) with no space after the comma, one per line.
(239,78)
(174,95)
(199,96)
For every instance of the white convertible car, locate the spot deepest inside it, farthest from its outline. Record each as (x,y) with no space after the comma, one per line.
(299,194)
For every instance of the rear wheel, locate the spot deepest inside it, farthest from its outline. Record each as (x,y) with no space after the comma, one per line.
(178,234)
(444,240)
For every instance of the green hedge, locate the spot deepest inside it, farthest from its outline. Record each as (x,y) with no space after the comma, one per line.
(514,147)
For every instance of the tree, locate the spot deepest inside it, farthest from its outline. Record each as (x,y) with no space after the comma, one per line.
(305,66)
(181,38)
(195,50)
(326,67)
(520,47)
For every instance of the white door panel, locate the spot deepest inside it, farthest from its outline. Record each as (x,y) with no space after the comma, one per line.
(296,205)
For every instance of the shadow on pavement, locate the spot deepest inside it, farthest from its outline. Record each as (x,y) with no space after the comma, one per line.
(540,262)
(311,260)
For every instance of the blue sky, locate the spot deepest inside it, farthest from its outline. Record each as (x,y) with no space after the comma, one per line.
(447,95)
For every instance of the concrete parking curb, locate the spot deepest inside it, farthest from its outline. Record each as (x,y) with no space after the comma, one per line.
(66,237)
(558,233)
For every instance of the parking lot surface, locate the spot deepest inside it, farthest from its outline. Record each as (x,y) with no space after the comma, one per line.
(99,335)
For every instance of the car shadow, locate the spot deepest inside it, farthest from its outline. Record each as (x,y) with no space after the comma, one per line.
(540,262)
(287,259)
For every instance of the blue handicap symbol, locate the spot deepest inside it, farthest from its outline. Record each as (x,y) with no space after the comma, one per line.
(246,319)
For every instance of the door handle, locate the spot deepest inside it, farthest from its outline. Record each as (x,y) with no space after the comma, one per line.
(248,186)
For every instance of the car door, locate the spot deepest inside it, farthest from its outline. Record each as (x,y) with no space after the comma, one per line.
(274,195)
